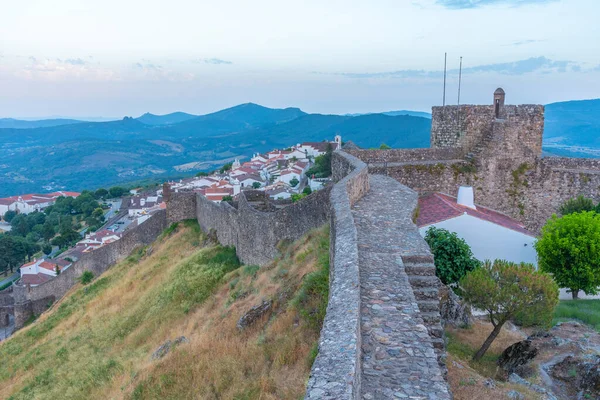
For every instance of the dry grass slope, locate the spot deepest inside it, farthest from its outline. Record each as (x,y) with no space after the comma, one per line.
(97,342)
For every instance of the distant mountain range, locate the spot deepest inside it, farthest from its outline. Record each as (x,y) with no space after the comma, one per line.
(94,154)
(38,156)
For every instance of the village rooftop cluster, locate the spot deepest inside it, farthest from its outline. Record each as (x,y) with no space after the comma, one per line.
(279,173)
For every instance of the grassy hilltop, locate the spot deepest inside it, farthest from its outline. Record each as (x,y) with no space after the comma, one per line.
(97,342)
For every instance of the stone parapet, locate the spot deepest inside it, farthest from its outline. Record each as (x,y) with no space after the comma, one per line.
(336,372)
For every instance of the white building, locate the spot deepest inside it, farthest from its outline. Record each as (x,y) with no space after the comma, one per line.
(490,234)
(42,270)
(28,203)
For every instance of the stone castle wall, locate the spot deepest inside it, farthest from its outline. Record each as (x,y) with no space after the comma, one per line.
(501,159)
(336,372)
(472,127)
(254,233)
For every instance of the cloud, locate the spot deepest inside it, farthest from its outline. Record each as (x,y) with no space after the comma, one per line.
(466,4)
(145,70)
(75,61)
(213,61)
(521,67)
(523,42)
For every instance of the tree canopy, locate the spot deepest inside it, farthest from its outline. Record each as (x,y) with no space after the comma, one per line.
(577,204)
(453,256)
(504,289)
(569,249)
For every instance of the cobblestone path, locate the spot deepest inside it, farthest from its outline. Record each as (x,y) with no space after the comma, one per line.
(398,357)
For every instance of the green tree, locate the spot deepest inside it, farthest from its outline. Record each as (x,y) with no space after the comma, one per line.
(322,165)
(225,168)
(504,289)
(256,185)
(202,173)
(86,277)
(577,204)
(100,193)
(569,249)
(307,190)
(452,255)
(297,197)
(9,215)
(47,249)
(227,198)
(116,191)
(48,230)
(19,225)
(57,269)
(384,146)
(294,182)
(12,252)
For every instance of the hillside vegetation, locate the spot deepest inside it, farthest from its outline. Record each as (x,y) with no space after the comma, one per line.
(98,341)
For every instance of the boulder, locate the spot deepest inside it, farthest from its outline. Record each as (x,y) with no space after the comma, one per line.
(581,376)
(517,355)
(254,314)
(452,310)
(164,349)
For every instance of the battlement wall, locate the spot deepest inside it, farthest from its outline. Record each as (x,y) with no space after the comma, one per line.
(336,372)
(254,233)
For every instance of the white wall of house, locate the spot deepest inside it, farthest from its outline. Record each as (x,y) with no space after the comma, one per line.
(490,241)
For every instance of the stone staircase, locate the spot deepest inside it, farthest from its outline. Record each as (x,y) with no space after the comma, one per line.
(421,275)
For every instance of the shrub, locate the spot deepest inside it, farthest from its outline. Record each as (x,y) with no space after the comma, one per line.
(384,146)
(294,182)
(307,190)
(569,249)
(578,204)
(86,277)
(453,256)
(504,289)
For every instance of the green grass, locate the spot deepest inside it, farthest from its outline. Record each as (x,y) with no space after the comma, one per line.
(486,366)
(586,311)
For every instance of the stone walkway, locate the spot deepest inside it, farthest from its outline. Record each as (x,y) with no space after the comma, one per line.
(398,357)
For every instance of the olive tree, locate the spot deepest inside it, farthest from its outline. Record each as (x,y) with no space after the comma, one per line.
(569,249)
(504,289)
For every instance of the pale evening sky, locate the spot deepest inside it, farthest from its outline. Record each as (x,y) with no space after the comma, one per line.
(127,57)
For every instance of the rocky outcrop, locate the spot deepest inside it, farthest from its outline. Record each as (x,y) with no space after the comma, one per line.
(580,376)
(517,355)
(254,314)
(453,311)
(166,347)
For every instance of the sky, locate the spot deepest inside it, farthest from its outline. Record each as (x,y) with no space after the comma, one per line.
(114,58)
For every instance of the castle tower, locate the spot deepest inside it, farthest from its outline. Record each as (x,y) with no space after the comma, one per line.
(498,101)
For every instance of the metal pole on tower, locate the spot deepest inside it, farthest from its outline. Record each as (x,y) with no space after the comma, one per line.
(458,102)
(459,79)
(444,97)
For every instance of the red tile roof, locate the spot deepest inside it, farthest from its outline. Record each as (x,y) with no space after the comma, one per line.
(438,207)
(35,279)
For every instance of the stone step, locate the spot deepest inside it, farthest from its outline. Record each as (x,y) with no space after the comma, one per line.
(426,293)
(431,317)
(420,269)
(438,343)
(418,281)
(436,331)
(429,305)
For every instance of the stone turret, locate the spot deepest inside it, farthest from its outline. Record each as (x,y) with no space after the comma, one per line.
(499,96)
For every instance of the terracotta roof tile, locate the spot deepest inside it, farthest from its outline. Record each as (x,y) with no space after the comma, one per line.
(438,207)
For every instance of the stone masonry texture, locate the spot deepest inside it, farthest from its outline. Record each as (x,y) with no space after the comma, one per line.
(374,344)
(501,158)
